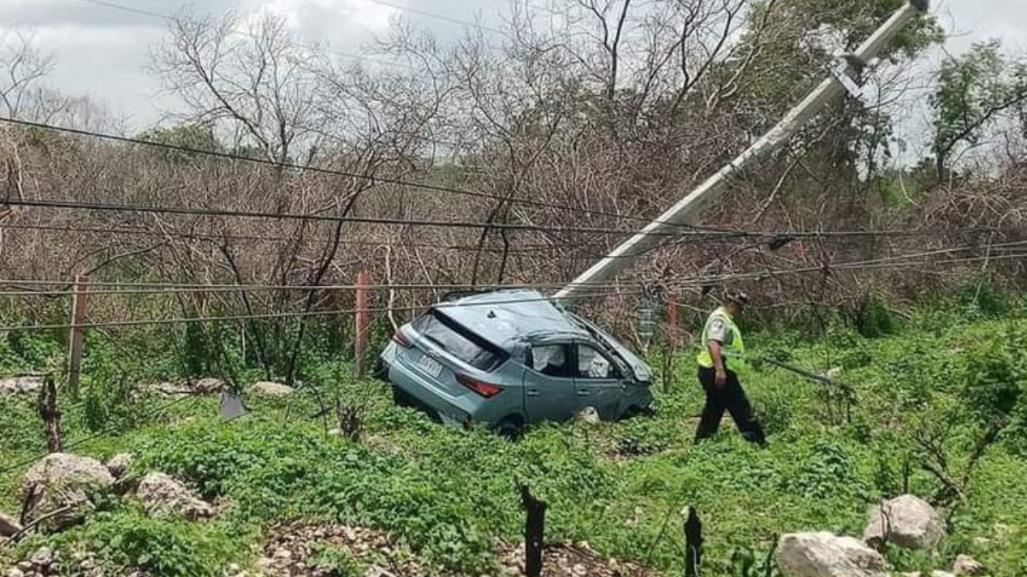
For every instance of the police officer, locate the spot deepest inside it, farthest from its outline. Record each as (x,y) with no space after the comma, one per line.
(723,351)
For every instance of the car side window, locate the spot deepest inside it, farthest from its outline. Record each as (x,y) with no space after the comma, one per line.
(594,365)
(550,360)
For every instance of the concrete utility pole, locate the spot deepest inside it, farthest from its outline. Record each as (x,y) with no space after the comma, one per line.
(689,208)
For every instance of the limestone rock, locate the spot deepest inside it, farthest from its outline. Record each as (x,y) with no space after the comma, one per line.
(827,555)
(269,389)
(119,464)
(8,525)
(19,385)
(208,385)
(164,495)
(589,415)
(967,565)
(906,521)
(66,483)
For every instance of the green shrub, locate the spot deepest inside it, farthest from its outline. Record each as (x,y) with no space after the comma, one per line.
(873,318)
(165,546)
(979,297)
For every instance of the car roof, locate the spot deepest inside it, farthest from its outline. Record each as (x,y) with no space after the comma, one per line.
(507,317)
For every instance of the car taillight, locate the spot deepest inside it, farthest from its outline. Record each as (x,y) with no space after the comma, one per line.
(487,390)
(401,339)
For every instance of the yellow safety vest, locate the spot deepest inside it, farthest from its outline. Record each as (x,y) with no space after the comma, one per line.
(733,348)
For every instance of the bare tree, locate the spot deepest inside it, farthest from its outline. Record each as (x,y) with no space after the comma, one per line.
(22,67)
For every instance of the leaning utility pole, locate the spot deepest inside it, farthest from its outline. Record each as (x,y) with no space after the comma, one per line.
(689,208)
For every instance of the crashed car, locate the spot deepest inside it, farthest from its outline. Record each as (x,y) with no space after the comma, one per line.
(505,359)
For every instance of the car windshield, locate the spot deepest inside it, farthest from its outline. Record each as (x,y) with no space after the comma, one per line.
(453,339)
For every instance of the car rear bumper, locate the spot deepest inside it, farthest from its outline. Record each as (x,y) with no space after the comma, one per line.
(459,411)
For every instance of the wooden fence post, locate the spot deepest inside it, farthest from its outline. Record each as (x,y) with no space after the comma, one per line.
(534,532)
(673,328)
(77,334)
(693,544)
(362,319)
(51,415)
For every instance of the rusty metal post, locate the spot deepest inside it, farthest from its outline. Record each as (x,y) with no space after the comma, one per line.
(673,328)
(534,532)
(77,335)
(362,321)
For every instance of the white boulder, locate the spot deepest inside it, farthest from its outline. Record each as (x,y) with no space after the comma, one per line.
(589,415)
(119,464)
(967,565)
(66,483)
(208,385)
(8,525)
(827,555)
(18,385)
(906,521)
(270,389)
(164,495)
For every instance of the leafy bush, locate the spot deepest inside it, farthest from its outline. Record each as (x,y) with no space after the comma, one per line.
(979,297)
(873,318)
(167,546)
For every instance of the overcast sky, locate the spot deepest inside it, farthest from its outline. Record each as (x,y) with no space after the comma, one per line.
(102,52)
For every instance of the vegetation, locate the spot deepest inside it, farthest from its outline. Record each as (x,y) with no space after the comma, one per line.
(927,392)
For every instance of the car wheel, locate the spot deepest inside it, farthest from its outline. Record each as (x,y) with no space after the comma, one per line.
(400,398)
(381,371)
(510,428)
(636,411)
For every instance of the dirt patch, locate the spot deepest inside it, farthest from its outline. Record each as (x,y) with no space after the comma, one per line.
(570,560)
(296,550)
(333,549)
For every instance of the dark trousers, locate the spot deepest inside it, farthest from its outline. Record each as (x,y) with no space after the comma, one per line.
(730,398)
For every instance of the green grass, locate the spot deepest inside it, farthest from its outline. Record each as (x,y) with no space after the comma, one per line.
(451,496)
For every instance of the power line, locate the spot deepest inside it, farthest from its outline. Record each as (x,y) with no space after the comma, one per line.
(130,9)
(190,211)
(441,17)
(143,288)
(371,178)
(170,18)
(681,283)
(118,287)
(521,248)
(270,316)
(691,229)
(93,437)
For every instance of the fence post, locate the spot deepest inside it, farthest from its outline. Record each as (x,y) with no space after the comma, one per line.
(51,415)
(693,544)
(362,318)
(77,334)
(534,532)
(673,328)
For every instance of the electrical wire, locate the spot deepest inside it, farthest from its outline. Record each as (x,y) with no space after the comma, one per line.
(346,174)
(174,288)
(681,283)
(440,17)
(520,249)
(269,316)
(690,228)
(170,18)
(166,289)
(80,442)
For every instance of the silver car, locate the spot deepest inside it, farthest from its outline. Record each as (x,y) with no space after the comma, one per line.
(509,358)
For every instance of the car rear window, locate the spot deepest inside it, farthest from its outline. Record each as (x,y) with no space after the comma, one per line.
(458,342)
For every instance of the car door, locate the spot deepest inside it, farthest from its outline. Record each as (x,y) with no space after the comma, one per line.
(598,382)
(549,387)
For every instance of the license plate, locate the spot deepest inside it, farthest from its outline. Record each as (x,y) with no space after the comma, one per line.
(430,366)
